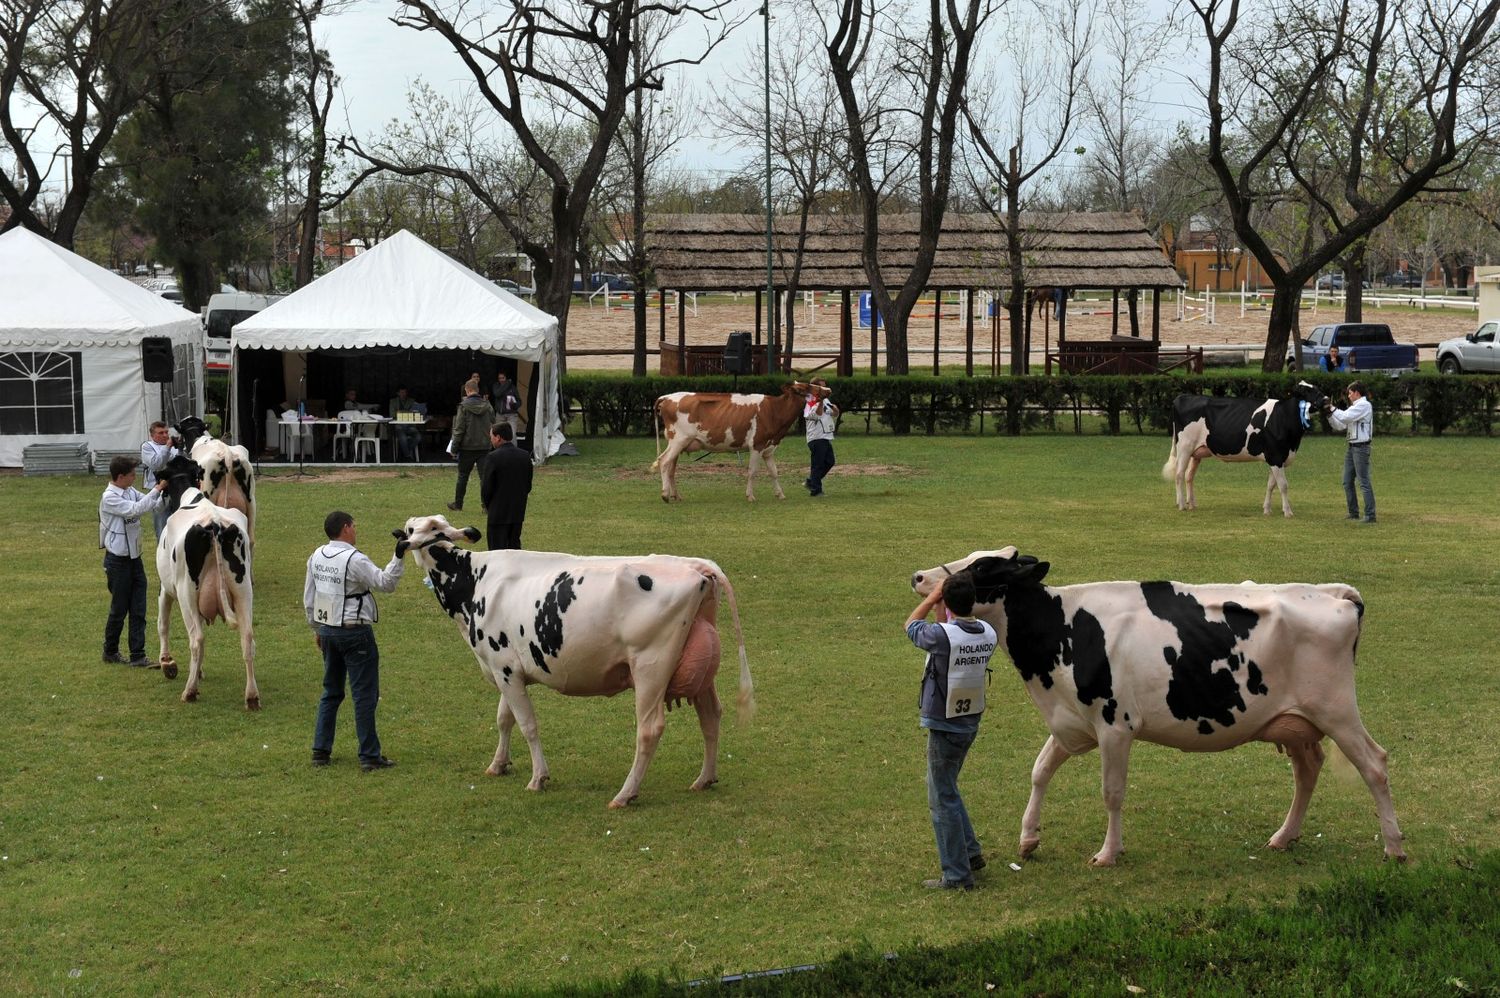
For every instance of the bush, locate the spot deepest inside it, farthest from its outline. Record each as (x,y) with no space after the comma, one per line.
(619,405)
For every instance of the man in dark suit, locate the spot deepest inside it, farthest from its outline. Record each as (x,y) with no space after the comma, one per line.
(504,484)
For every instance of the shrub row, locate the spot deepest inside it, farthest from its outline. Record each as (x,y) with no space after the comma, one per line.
(621,405)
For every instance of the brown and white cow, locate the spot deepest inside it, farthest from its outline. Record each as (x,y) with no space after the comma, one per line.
(585,626)
(203,561)
(720,422)
(1239,429)
(1201,668)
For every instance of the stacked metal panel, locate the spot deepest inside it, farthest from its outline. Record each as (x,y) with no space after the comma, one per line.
(55,459)
(103,457)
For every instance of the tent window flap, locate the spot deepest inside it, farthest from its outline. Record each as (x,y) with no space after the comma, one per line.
(41,393)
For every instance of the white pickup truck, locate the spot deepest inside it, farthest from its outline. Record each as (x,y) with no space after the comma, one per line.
(1475,352)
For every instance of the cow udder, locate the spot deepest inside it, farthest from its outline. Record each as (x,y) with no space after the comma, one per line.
(699,662)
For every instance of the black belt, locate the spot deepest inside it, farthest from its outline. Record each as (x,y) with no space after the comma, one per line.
(1362,443)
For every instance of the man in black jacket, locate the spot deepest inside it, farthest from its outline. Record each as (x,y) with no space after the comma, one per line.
(504,484)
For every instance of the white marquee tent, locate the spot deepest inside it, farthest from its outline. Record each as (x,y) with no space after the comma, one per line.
(70,352)
(403,293)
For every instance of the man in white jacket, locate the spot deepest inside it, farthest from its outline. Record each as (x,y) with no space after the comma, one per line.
(155,453)
(1358,423)
(120,510)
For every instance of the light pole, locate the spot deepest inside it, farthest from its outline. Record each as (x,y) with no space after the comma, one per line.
(773,362)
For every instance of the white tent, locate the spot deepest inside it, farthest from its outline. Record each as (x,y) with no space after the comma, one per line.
(405,294)
(70,352)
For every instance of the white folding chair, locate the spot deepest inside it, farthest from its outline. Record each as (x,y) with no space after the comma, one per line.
(367,437)
(344,433)
(295,439)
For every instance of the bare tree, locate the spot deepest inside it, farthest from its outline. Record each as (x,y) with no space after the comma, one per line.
(1042,111)
(314,87)
(931,61)
(535,61)
(807,141)
(69,67)
(1383,96)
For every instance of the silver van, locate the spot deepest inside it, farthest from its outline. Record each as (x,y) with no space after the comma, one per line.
(220,316)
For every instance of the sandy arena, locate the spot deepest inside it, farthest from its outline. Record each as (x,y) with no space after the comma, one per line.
(594,327)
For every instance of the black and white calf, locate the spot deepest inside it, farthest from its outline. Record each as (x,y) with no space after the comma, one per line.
(1239,429)
(585,626)
(1199,668)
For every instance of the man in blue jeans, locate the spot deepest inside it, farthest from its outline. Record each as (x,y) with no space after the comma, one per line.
(952,699)
(1358,424)
(120,510)
(342,614)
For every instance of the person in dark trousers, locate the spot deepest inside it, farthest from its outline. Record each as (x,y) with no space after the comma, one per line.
(120,510)
(952,699)
(821,417)
(504,484)
(1358,423)
(471,437)
(342,613)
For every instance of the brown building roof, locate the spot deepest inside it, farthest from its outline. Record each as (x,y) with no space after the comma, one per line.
(1067,249)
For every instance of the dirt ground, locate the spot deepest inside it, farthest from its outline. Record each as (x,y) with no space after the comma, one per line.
(594,327)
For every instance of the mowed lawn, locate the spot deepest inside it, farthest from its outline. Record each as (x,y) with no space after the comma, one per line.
(154,846)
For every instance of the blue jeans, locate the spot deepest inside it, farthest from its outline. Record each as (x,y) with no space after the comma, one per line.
(822,464)
(1357,465)
(126,578)
(950,819)
(349,652)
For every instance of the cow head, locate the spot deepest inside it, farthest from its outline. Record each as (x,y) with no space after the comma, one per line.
(421,532)
(993,571)
(181,473)
(189,430)
(805,389)
(1310,399)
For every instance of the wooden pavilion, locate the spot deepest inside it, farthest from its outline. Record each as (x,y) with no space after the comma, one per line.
(1065,250)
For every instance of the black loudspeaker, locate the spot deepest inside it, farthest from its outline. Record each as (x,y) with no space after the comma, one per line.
(156,359)
(737,354)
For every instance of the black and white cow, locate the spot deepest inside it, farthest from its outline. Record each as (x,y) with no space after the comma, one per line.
(203,561)
(585,626)
(1239,429)
(228,476)
(1199,668)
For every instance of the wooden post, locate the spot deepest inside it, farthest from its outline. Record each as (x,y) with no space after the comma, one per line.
(846,338)
(757,317)
(968,299)
(1156,316)
(1114,315)
(874,337)
(937,325)
(995,335)
(682,332)
(1062,321)
(661,311)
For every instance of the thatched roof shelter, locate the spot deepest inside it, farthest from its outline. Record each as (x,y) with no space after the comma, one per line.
(1063,249)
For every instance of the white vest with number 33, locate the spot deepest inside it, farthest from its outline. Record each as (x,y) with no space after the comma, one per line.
(968,664)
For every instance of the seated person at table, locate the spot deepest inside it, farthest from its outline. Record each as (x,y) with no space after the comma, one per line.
(351,401)
(406,434)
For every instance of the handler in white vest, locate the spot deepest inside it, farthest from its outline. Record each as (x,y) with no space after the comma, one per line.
(341,611)
(953,687)
(155,453)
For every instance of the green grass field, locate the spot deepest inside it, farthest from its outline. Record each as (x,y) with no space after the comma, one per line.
(154,846)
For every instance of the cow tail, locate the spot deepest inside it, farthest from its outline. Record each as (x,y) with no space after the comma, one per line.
(225,606)
(745,702)
(656,422)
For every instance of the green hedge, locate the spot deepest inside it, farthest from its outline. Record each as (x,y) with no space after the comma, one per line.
(620,405)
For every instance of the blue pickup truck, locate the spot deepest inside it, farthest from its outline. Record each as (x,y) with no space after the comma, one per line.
(1364,346)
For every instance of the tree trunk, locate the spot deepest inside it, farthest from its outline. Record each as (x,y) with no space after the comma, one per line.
(307,244)
(1283,321)
(1354,283)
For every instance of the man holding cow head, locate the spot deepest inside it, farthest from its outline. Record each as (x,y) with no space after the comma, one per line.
(1358,423)
(155,453)
(952,699)
(821,417)
(120,510)
(341,611)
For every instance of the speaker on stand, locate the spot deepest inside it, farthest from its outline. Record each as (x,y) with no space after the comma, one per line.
(157,368)
(737,356)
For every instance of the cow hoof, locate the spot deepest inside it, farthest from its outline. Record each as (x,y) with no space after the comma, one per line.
(539,784)
(253,703)
(703,784)
(168,669)
(1028,846)
(1100,859)
(621,802)
(1280,845)
(1399,855)
(189,696)
(499,770)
